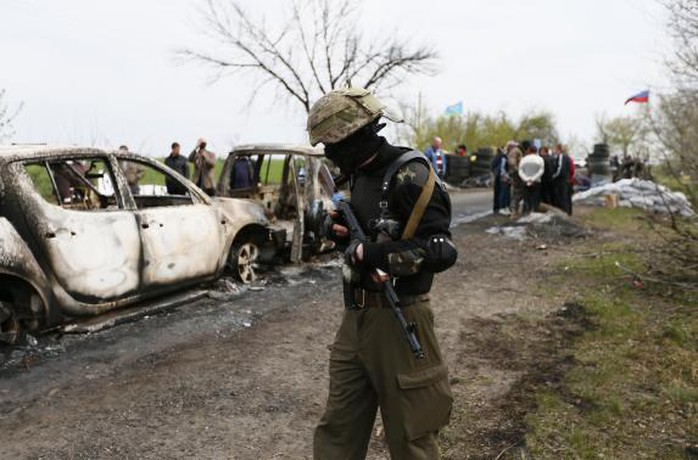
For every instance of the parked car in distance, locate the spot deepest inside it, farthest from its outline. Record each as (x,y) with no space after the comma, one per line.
(84,231)
(283,179)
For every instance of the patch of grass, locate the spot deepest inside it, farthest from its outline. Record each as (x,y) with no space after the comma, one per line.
(680,333)
(633,391)
(154,177)
(42,181)
(601,264)
(618,219)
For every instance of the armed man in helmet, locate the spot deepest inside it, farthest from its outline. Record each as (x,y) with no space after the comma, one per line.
(407,228)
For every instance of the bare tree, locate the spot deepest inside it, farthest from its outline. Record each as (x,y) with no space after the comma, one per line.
(675,124)
(316,48)
(621,133)
(683,25)
(7,116)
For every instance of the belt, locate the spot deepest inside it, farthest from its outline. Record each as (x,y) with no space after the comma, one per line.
(372,299)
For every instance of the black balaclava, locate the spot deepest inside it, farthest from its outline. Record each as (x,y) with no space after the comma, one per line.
(356,149)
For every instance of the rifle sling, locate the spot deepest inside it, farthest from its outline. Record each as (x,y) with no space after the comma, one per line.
(420,206)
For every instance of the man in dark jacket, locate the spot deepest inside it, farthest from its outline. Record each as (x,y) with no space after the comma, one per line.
(499,168)
(242,174)
(371,365)
(546,182)
(178,163)
(561,188)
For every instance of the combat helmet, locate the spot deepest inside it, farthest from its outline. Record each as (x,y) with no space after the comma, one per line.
(342,112)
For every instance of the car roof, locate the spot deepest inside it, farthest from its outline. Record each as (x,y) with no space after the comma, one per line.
(278,148)
(15,152)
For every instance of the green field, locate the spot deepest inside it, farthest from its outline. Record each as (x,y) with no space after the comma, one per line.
(42,181)
(271,172)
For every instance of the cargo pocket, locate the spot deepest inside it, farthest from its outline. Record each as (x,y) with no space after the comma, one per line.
(426,399)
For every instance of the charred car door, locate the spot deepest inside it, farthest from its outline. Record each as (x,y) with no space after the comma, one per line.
(180,234)
(294,181)
(80,226)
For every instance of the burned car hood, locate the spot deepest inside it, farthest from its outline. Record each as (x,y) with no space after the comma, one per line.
(236,208)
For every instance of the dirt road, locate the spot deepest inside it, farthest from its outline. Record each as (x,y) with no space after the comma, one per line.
(213,380)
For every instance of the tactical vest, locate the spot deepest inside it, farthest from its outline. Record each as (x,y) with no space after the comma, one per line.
(370,200)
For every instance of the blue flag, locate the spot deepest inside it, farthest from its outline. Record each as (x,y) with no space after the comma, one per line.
(455,109)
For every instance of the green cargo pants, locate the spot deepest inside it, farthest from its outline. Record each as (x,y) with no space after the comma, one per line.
(516,197)
(370,366)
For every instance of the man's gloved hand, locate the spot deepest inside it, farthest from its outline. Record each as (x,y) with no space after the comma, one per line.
(353,255)
(333,227)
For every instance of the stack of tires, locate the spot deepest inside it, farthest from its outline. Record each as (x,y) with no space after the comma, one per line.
(483,160)
(598,165)
(457,168)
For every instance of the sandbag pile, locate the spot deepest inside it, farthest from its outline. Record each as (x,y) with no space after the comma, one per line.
(637,193)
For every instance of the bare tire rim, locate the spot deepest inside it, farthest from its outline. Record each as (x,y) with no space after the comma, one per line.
(9,325)
(246,261)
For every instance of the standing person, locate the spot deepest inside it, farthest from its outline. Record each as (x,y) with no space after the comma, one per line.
(437,157)
(461,150)
(242,175)
(546,182)
(371,365)
(562,195)
(133,172)
(516,185)
(501,184)
(204,162)
(178,163)
(616,168)
(531,169)
(573,175)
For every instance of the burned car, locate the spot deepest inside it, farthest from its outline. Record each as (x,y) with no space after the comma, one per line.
(283,179)
(83,231)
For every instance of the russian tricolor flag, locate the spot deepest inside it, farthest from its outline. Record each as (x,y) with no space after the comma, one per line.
(642,97)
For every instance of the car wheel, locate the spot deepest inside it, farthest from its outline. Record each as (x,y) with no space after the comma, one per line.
(10,327)
(243,261)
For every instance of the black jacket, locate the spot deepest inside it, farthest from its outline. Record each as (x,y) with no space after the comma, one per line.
(413,261)
(179,164)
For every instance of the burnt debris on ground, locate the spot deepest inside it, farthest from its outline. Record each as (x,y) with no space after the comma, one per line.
(551,227)
(220,297)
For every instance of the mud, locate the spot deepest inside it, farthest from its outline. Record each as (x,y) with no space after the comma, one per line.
(532,350)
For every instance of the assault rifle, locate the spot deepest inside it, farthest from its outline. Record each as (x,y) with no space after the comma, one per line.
(343,207)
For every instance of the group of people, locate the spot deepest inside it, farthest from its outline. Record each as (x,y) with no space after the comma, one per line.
(628,168)
(525,177)
(204,162)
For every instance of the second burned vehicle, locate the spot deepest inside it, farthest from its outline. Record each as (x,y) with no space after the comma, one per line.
(282,178)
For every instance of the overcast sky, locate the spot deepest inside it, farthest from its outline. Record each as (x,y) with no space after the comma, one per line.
(104,72)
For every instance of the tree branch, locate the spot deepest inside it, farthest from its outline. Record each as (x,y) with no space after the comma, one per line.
(316,48)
